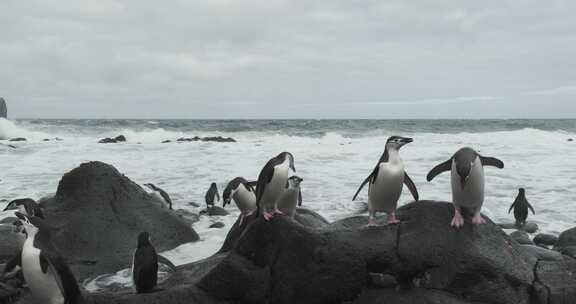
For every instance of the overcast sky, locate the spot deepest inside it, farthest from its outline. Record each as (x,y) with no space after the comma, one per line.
(288,59)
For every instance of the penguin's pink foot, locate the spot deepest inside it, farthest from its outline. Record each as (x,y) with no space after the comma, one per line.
(277,211)
(478,219)
(391,220)
(371,223)
(268,216)
(457,220)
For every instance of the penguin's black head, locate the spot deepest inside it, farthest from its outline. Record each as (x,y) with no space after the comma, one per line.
(465,159)
(143,239)
(397,142)
(293,181)
(231,188)
(522,191)
(287,156)
(213,186)
(33,224)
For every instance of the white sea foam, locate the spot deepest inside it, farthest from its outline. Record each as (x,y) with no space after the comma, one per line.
(332,166)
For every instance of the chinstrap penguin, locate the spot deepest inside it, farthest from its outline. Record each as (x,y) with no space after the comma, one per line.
(26,206)
(291,197)
(47,275)
(161,195)
(467,179)
(271,182)
(212,195)
(243,194)
(521,206)
(387,181)
(144,265)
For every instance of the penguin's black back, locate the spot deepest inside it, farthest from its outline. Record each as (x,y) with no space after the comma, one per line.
(145,272)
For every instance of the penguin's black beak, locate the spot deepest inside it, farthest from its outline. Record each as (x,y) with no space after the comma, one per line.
(292,165)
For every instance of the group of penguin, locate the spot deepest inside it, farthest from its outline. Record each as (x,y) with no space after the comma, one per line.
(275,192)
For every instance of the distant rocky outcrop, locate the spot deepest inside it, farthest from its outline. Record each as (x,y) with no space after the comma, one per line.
(3,108)
(98,214)
(211,138)
(108,140)
(18,139)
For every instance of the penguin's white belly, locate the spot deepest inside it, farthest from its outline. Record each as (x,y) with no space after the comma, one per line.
(288,201)
(43,285)
(274,189)
(245,200)
(383,195)
(472,195)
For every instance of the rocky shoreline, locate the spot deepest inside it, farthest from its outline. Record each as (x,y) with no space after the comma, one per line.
(97,213)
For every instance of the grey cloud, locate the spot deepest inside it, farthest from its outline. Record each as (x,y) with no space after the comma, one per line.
(313,58)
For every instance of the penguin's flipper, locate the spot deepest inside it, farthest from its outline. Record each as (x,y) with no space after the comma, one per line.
(300,197)
(167,262)
(491,161)
(62,274)
(411,186)
(11,206)
(530,206)
(166,198)
(512,206)
(364,183)
(443,167)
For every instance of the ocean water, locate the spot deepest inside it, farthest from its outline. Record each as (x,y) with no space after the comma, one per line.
(333,157)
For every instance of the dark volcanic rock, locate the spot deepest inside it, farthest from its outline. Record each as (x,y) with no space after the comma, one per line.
(478,263)
(413,296)
(529,227)
(108,140)
(188,216)
(18,139)
(555,282)
(545,239)
(310,218)
(302,266)
(521,237)
(180,288)
(217,225)
(10,243)
(98,213)
(542,253)
(214,211)
(567,238)
(568,250)
(166,141)
(206,139)
(3,108)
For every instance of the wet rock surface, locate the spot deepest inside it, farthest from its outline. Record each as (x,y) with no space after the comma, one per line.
(98,213)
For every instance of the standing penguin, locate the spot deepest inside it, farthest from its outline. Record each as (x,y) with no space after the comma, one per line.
(387,180)
(26,206)
(521,206)
(47,275)
(271,182)
(291,197)
(212,195)
(161,195)
(467,167)
(243,194)
(144,265)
